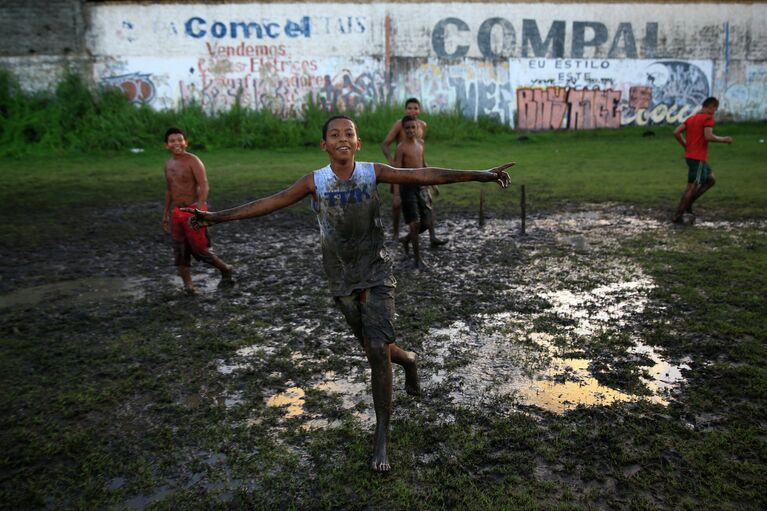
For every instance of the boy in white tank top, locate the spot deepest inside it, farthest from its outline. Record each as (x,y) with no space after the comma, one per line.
(357,265)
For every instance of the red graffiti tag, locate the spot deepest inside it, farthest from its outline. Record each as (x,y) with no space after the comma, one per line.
(560,107)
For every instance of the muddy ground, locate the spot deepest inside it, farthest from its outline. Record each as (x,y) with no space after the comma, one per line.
(543,367)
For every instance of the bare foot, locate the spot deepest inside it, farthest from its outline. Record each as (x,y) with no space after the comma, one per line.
(380,461)
(191,291)
(412,384)
(436,242)
(422,266)
(226,278)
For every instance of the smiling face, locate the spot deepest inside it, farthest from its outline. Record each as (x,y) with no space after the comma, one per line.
(341,141)
(410,128)
(176,143)
(413,109)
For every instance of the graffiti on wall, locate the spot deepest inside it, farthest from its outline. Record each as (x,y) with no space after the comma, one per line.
(560,107)
(590,93)
(138,87)
(280,84)
(477,88)
(748,99)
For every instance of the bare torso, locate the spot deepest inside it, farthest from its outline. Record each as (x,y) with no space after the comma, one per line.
(182,182)
(411,154)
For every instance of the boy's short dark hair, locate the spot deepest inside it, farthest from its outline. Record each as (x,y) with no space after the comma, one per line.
(335,117)
(173,131)
(408,118)
(412,100)
(712,101)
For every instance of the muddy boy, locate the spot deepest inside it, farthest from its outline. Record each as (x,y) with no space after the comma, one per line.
(357,265)
(413,199)
(397,134)
(187,186)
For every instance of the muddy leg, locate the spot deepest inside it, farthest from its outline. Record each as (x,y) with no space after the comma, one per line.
(379,357)
(405,240)
(409,362)
(185,272)
(414,230)
(685,203)
(395,220)
(711,181)
(225,269)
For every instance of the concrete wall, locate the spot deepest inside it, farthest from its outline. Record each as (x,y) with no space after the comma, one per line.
(533,65)
(41,39)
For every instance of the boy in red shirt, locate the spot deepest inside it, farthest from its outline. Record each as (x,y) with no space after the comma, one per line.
(700,176)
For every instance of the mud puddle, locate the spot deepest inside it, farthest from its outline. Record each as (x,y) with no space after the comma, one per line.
(567,273)
(76,292)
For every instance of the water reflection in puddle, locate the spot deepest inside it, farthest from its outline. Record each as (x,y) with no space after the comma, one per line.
(507,357)
(352,390)
(577,287)
(79,291)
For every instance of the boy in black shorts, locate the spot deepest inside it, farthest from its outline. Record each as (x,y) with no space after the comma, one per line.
(414,199)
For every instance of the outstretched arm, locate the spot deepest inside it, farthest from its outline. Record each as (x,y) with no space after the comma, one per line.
(440,176)
(679,135)
(260,207)
(708,134)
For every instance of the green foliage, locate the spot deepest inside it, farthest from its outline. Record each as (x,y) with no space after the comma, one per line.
(77,118)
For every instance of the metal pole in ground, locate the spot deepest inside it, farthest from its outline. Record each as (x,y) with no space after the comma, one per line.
(481,207)
(523,208)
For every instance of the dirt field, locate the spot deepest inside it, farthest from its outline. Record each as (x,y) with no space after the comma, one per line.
(529,344)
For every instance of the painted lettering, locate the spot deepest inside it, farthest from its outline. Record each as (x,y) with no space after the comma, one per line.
(507,38)
(626,34)
(496,38)
(553,46)
(579,43)
(438,38)
(197,28)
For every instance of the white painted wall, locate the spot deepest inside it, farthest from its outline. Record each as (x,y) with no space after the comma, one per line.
(471,54)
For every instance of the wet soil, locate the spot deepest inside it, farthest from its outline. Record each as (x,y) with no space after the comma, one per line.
(536,325)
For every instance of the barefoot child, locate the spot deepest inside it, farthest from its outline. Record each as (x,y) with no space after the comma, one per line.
(700,177)
(187,186)
(415,208)
(397,134)
(357,265)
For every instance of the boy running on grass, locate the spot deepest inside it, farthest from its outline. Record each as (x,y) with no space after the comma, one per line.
(397,134)
(699,129)
(415,208)
(357,265)
(187,186)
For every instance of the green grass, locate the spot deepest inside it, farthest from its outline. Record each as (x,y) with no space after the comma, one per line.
(556,168)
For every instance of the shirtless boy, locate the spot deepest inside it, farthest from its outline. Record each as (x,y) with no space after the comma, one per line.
(187,186)
(415,208)
(397,134)
(357,265)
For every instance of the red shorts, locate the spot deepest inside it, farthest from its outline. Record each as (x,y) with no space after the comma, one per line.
(187,241)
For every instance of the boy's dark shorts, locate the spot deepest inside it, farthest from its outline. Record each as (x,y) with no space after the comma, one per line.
(370,312)
(698,171)
(416,206)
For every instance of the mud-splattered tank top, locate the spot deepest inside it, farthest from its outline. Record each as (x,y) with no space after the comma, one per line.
(351,233)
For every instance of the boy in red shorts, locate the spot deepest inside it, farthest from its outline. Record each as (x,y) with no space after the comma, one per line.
(699,130)
(187,187)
